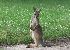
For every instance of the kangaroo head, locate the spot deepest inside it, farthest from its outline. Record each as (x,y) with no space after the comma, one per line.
(36,11)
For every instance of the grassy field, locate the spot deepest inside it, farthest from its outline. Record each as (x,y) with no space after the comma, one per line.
(15,16)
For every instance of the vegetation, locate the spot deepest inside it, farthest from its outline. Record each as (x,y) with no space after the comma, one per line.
(15,16)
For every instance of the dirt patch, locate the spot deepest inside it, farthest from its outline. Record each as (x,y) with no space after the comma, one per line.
(61,44)
(23,47)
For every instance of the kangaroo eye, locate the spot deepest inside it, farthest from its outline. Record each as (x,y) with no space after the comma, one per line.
(34,14)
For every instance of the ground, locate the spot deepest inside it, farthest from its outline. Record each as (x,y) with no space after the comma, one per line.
(23,47)
(57,46)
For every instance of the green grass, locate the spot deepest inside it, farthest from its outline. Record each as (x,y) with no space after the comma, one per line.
(15,16)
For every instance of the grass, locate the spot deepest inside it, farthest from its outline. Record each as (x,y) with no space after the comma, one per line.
(15,16)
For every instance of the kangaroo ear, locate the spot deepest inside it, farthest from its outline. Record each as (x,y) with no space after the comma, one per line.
(34,9)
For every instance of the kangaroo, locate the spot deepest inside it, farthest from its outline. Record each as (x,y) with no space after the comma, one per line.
(36,29)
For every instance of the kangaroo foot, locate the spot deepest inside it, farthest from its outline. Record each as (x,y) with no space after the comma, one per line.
(31,46)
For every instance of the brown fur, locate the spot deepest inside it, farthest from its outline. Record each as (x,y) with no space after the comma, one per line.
(36,30)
